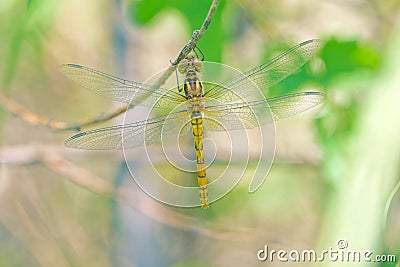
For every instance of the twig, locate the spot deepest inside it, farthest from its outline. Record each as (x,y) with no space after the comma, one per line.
(53,158)
(29,154)
(77,175)
(145,205)
(197,34)
(33,118)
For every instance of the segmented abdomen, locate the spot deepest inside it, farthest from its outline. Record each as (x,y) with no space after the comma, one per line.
(197,129)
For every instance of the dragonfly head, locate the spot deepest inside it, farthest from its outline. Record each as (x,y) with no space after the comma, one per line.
(191,63)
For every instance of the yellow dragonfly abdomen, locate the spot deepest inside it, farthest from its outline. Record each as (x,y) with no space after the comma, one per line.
(197,129)
(193,88)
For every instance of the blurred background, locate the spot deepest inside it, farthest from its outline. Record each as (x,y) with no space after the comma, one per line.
(336,170)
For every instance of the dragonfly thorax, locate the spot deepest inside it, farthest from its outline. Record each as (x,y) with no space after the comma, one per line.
(193,88)
(190,67)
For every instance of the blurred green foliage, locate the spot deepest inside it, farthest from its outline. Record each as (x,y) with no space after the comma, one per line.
(194,12)
(343,69)
(340,59)
(24,30)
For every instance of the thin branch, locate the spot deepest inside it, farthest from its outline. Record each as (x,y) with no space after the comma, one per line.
(158,212)
(53,158)
(33,118)
(145,205)
(198,34)
(30,154)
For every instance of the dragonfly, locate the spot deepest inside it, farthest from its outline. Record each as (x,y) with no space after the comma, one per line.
(201,106)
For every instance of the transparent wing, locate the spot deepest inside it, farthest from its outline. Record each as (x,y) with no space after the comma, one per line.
(235,116)
(290,105)
(121,90)
(265,75)
(134,134)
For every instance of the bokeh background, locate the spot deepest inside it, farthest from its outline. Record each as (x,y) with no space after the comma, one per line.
(336,171)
